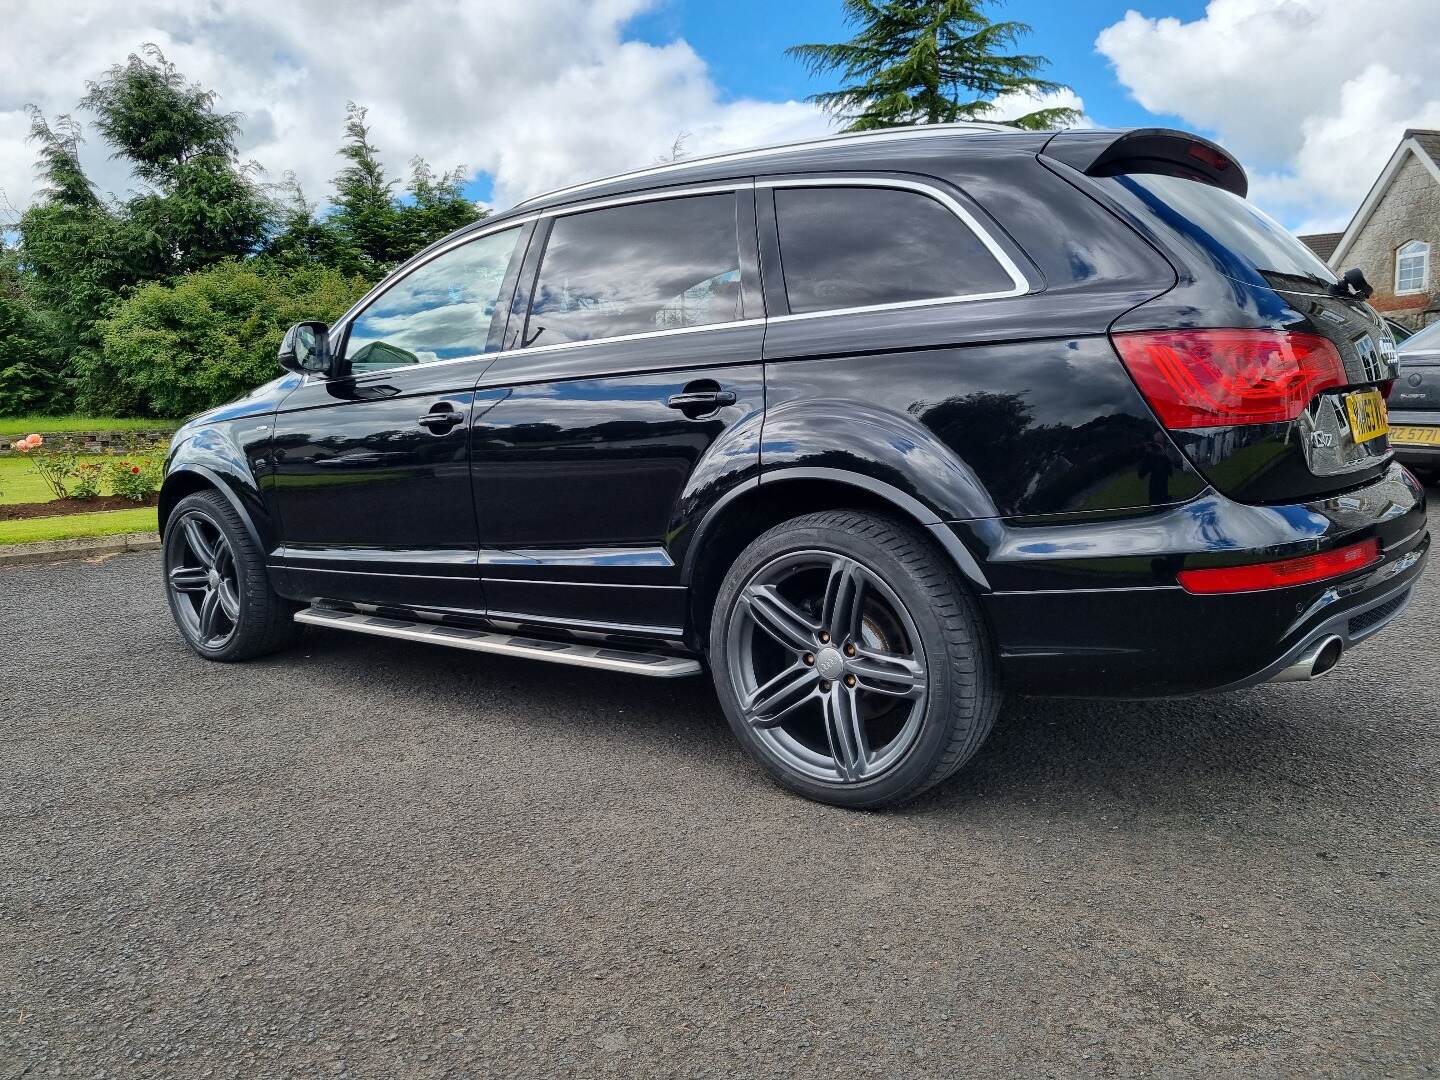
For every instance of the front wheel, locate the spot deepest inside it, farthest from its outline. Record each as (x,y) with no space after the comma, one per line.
(216,583)
(851,661)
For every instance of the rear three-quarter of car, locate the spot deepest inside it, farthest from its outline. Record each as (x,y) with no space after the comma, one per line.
(877,427)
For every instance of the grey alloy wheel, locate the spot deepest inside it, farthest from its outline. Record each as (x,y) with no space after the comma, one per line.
(827,666)
(203,581)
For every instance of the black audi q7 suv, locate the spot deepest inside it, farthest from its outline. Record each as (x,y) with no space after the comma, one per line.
(878,428)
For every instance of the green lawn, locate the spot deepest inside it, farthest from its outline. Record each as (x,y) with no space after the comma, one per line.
(21,483)
(111,523)
(12,427)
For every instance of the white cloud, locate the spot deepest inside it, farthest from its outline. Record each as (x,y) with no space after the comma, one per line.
(1313,95)
(538,93)
(1017,103)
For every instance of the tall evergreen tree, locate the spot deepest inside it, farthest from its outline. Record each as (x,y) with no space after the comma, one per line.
(203,205)
(365,208)
(156,120)
(30,370)
(928,62)
(437,205)
(78,252)
(302,238)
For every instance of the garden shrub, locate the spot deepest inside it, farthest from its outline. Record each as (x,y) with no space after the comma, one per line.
(135,479)
(173,350)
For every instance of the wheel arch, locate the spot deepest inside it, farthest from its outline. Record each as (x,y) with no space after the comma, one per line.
(750,509)
(189,478)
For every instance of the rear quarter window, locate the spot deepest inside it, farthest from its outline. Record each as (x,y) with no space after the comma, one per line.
(855,247)
(1239,239)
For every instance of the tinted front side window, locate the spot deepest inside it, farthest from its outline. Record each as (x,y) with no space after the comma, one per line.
(636,269)
(441,311)
(844,247)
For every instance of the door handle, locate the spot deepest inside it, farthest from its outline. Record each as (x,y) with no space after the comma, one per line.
(441,420)
(701,401)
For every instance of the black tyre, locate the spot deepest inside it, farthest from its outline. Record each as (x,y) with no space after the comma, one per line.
(851,660)
(216,582)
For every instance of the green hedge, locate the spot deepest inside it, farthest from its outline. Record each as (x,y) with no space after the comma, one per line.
(172,350)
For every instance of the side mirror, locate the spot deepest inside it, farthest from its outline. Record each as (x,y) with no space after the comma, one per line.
(306,349)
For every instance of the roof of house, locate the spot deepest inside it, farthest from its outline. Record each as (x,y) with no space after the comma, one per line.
(1428,138)
(1322,243)
(1424,144)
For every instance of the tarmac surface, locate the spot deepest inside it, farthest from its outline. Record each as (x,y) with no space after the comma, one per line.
(376,859)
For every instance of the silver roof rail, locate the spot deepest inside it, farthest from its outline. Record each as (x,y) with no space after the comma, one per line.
(973,127)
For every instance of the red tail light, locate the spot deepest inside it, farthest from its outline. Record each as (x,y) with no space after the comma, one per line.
(1277,575)
(1220,378)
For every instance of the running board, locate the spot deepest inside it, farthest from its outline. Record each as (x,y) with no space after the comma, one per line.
(635,661)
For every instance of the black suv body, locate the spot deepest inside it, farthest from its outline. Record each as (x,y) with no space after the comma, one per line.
(1047,413)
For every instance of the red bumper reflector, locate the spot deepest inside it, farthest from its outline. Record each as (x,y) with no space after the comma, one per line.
(1219,378)
(1278,575)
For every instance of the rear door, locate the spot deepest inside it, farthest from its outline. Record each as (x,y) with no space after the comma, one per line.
(631,392)
(371,467)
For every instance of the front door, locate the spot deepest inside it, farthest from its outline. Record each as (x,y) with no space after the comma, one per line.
(634,387)
(372,483)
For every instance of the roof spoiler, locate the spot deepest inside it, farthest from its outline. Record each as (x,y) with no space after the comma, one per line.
(1148,150)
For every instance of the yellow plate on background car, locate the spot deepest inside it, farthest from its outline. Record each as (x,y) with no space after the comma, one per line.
(1415,436)
(1367,415)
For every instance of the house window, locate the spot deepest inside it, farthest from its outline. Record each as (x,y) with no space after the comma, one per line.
(1412,267)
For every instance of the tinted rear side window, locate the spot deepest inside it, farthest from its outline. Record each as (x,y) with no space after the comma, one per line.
(1235,235)
(636,269)
(847,247)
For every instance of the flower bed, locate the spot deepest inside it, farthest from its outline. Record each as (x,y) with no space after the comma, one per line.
(88,494)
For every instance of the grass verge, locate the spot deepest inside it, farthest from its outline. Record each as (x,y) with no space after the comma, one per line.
(12,427)
(110,523)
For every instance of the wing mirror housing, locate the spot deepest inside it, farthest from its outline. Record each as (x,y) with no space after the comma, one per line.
(306,349)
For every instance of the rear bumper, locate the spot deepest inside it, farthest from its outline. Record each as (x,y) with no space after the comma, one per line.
(1418,457)
(1103,616)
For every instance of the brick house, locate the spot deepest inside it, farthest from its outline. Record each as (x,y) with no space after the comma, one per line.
(1394,238)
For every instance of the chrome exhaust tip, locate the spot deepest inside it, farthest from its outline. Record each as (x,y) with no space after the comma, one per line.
(1315,661)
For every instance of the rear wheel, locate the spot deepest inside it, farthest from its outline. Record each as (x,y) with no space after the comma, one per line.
(851,661)
(216,582)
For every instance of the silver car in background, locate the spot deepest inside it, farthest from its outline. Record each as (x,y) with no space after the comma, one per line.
(1415,404)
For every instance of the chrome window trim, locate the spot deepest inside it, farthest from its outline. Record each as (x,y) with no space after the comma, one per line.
(538,349)
(653,195)
(560,346)
(1019,284)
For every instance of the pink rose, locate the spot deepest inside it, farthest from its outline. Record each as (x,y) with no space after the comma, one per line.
(33,440)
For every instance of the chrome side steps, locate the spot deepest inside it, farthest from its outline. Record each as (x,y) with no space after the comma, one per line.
(635,661)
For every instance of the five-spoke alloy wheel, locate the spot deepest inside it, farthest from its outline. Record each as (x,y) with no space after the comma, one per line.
(204,591)
(821,645)
(851,661)
(216,582)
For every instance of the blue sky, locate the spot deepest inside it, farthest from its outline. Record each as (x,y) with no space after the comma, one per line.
(752,64)
(1311,95)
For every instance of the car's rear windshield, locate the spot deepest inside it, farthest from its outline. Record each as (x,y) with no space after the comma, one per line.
(1234,234)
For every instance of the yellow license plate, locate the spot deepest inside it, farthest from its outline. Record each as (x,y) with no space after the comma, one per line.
(1408,435)
(1367,415)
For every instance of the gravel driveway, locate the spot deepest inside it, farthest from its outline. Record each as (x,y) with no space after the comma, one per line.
(386,860)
